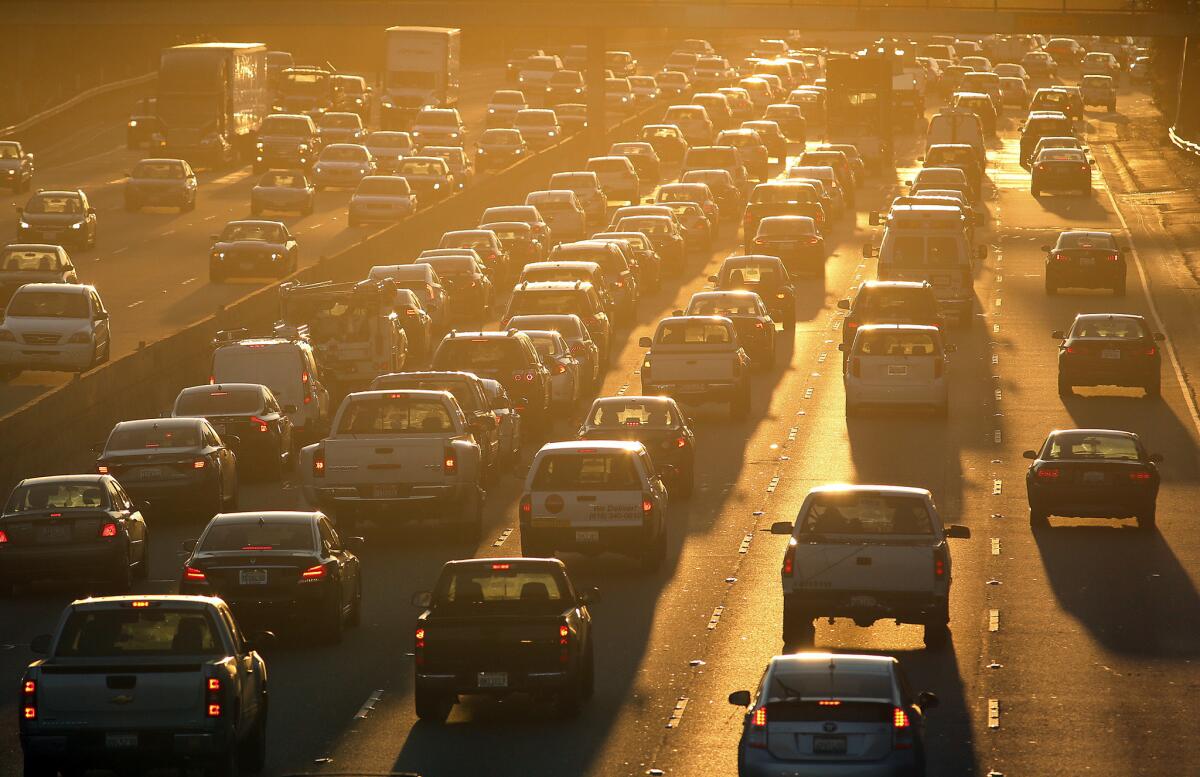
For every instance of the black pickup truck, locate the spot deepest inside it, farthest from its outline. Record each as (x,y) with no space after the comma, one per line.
(500,626)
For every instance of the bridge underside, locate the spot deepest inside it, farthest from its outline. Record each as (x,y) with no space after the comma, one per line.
(902,16)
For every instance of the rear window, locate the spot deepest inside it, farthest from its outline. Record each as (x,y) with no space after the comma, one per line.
(219,402)
(57,496)
(750,274)
(488,354)
(154,436)
(896,302)
(162,170)
(634,414)
(395,414)
(396,187)
(47,304)
(149,631)
(1074,445)
(1115,328)
(600,471)
(922,251)
(693,332)
(818,682)
(28,260)
(776,194)
(947,157)
(896,343)
(500,587)
(1085,240)
(723,306)
(549,301)
(423,167)
(860,513)
(257,535)
(461,391)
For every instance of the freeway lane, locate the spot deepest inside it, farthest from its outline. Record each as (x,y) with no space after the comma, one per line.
(1090,639)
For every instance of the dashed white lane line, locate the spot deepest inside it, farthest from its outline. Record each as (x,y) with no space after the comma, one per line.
(997,487)
(716,616)
(677,713)
(504,535)
(134,305)
(368,705)
(189,280)
(993,713)
(993,620)
(745,546)
(120,250)
(995,546)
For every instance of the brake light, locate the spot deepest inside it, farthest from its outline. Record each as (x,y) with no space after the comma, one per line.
(29,700)
(315,572)
(419,646)
(212,697)
(789,559)
(758,718)
(194,575)
(3,537)
(647,504)
(758,325)
(939,563)
(1151,351)
(450,462)
(214,684)
(856,367)
(102,469)
(564,644)
(199,464)
(1061,258)
(900,718)
(681,442)
(1113,257)
(1072,349)
(1139,475)
(1048,473)
(559,369)
(410,312)
(108,530)
(829,703)
(262,425)
(318,463)
(526,507)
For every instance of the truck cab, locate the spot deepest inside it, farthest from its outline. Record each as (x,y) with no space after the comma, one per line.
(697,358)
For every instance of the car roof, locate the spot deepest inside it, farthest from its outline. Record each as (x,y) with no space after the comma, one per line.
(884,285)
(923,328)
(832,488)
(1110,432)
(115,602)
(642,398)
(857,662)
(222,387)
(74,478)
(142,423)
(61,288)
(523,561)
(275,516)
(571,446)
(1098,316)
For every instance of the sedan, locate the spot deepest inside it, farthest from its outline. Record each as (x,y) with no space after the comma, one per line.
(252,414)
(575,332)
(754,325)
(498,148)
(772,136)
(1061,170)
(566,372)
(503,107)
(667,140)
(764,275)
(389,147)
(655,422)
(343,165)
(173,460)
(790,119)
(539,127)
(381,199)
(795,240)
(429,177)
(1109,349)
(1082,259)
(284,191)
(341,127)
(278,568)
(22,263)
(59,217)
(1092,473)
(72,526)
(161,182)
(253,248)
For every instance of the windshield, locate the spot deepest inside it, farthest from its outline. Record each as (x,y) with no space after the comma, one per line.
(269,233)
(501,588)
(47,304)
(340,121)
(854,512)
(8,151)
(642,415)
(1116,328)
(777,194)
(896,343)
(649,225)
(30,260)
(54,203)
(1083,445)
(432,167)
(395,414)
(159,170)
(595,471)
(219,401)
(150,631)
(257,535)
(500,137)
(344,154)
(159,435)
(492,354)
(285,125)
(57,496)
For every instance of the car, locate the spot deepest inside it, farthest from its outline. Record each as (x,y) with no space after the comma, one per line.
(764,275)
(562,212)
(572,117)
(575,332)
(1060,170)
(341,127)
(381,199)
(22,263)
(645,90)
(896,365)
(693,121)
(278,568)
(498,148)
(794,239)
(698,193)
(508,357)
(618,178)
(438,127)
(59,327)
(741,105)
(664,234)
(618,95)
(812,101)
(388,147)
(535,71)
(1011,70)
(173,461)
(461,166)
(1059,98)
(674,84)
(1042,124)
(61,217)
(566,378)
(517,59)
(667,139)
(287,141)
(853,714)
(960,155)
(539,127)
(725,189)
(782,198)
(790,120)
(1066,51)
(16,166)
(429,177)
(503,106)
(343,165)
(754,325)
(143,124)
(698,359)
(1085,259)
(751,151)
(586,186)
(657,423)
(1100,63)
(621,63)
(494,255)
(618,277)
(725,158)
(771,136)
(940,178)
(641,256)
(416,322)
(253,247)
(1109,349)
(578,297)
(1014,91)
(79,527)
(283,191)
(469,291)
(499,626)
(564,86)
(1099,90)
(645,161)
(889,302)
(351,93)
(526,214)
(1092,473)
(252,414)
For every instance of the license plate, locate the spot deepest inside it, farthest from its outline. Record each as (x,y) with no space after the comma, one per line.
(387,492)
(588,535)
(58,533)
(829,745)
(862,601)
(150,473)
(492,679)
(1110,353)
(1087,261)
(252,576)
(897,369)
(1093,477)
(120,741)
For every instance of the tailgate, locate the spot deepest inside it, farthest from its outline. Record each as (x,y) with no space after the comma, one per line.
(517,644)
(853,566)
(128,696)
(599,508)
(383,460)
(693,366)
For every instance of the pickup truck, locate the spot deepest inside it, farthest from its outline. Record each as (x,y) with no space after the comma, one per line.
(497,626)
(137,682)
(698,359)
(403,455)
(868,553)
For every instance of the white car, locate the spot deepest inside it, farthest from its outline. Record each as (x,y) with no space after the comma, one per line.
(539,127)
(389,147)
(617,177)
(562,211)
(381,198)
(439,127)
(588,191)
(61,327)
(566,382)
(897,365)
(343,165)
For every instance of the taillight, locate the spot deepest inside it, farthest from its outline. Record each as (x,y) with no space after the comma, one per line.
(1061,257)
(939,563)
(3,537)
(647,504)
(108,530)
(419,645)
(315,572)
(199,464)
(757,735)
(102,469)
(212,697)
(901,729)
(29,699)
(449,461)
(194,575)
(559,369)
(564,644)
(789,559)
(856,367)
(318,463)
(1072,349)
(681,442)
(1113,257)
(1151,351)
(758,718)
(1048,473)
(526,507)
(263,426)
(1139,475)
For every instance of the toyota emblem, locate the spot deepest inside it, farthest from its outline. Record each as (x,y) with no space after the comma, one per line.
(830,728)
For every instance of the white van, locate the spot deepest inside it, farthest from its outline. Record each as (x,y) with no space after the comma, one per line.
(288,368)
(930,243)
(420,279)
(953,125)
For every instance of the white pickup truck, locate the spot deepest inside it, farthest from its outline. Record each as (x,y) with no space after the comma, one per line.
(139,682)
(405,456)
(697,359)
(868,553)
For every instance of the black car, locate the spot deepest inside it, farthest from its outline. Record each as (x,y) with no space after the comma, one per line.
(1061,170)
(161,182)
(22,263)
(143,123)
(796,240)
(655,422)
(248,411)
(172,460)
(82,527)
(253,248)
(1109,349)
(498,626)
(507,357)
(889,302)
(287,141)
(764,275)
(1092,473)
(60,217)
(1089,260)
(278,568)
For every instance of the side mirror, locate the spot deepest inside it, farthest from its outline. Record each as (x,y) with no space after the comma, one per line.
(927,700)
(740,698)
(782,528)
(590,596)
(957,532)
(908,183)
(645,342)
(1057,334)
(1159,336)
(187,546)
(355,544)
(40,644)
(1155,458)
(289,409)
(842,347)
(1092,162)
(843,304)
(873,218)
(712,279)
(981,252)
(29,156)
(422,599)
(1029,454)
(261,640)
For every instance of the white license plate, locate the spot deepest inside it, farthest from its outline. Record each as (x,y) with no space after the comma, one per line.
(587,535)
(897,369)
(150,473)
(1087,261)
(120,741)
(492,679)
(1093,477)
(1110,353)
(862,601)
(252,576)
(386,492)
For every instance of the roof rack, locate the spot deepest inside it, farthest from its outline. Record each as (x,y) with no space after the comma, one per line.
(227,336)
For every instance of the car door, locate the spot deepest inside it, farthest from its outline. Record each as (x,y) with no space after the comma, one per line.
(135,524)
(251,673)
(100,328)
(347,563)
(226,457)
(271,405)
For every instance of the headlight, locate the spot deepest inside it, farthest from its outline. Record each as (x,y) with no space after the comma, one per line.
(24,225)
(358,101)
(77,225)
(303,147)
(219,254)
(578,91)
(437,186)
(259,146)
(275,257)
(479,151)
(550,134)
(133,122)
(453,134)
(82,336)
(491,110)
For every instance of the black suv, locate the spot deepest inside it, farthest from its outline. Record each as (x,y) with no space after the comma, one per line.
(509,358)
(287,141)
(889,302)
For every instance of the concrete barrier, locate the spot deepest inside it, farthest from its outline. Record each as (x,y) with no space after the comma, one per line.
(55,432)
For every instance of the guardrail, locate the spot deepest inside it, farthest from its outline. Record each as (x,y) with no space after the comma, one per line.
(74,102)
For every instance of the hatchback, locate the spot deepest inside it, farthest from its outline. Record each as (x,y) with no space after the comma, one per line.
(896,365)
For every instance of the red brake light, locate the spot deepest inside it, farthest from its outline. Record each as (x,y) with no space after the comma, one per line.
(214,710)
(758,718)
(214,684)
(262,425)
(108,530)
(900,718)
(681,442)
(318,463)
(315,572)
(564,631)
(501,566)
(829,703)
(3,537)
(1139,475)
(1113,257)
(1072,349)
(450,462)
(29,712)
(789,559)
(647,505)
(29,688)
(199,464)
(559,369)
(102,469)
(939,564)
(1151,351)
(526,506)
(1048,473)
(195,575)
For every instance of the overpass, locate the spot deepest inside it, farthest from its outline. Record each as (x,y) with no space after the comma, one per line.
(1090,17)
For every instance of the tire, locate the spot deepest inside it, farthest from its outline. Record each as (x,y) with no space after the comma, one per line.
(1147,521)
(142,570)
(1038,519)
(937,635)
(252,751)
(1154,388)
(1051,287)
(1065,389)
(432,706)
(798,628)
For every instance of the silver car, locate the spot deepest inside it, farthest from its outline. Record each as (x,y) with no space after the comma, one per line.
(381,198)
(161,182)
(344,165)
(283,190)
(389,148)
(832,715)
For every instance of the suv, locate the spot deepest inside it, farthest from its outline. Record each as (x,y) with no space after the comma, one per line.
(1042,124)
(889,302)
(582,299)
(507,357)
(286,140)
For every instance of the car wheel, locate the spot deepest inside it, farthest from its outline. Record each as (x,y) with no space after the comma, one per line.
(1051,287)
(1147,521)
(798,628)
(937,635)
(355,618)
(1038,518)
(1065,389)
(1154,388)
(432,706)
(252,751)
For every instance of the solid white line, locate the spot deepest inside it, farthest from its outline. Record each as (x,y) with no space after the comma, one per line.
(1137,260)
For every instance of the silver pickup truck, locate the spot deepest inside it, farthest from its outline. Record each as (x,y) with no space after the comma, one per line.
(399,456)
(697,359)
(868,553)
(137,682)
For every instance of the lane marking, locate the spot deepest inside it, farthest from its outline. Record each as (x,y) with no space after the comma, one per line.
(189,280)
(677,713)
(368,705)
(134,305)
(120,250)
(997,486)
(993,713)
(999,396)
(808,393)
(745,547)
(773,484)
(997,437)
(993,620)
(995,546)
(504,535)
(716,616)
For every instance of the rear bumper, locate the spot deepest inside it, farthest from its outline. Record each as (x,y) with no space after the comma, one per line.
(63,357)
(754,762)
(1092,501)
(1108,375)
(861,392)
(549,679)
(1099,276)
(74,561)
(89,748)
(870,606)
(417,502)
(627,540)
